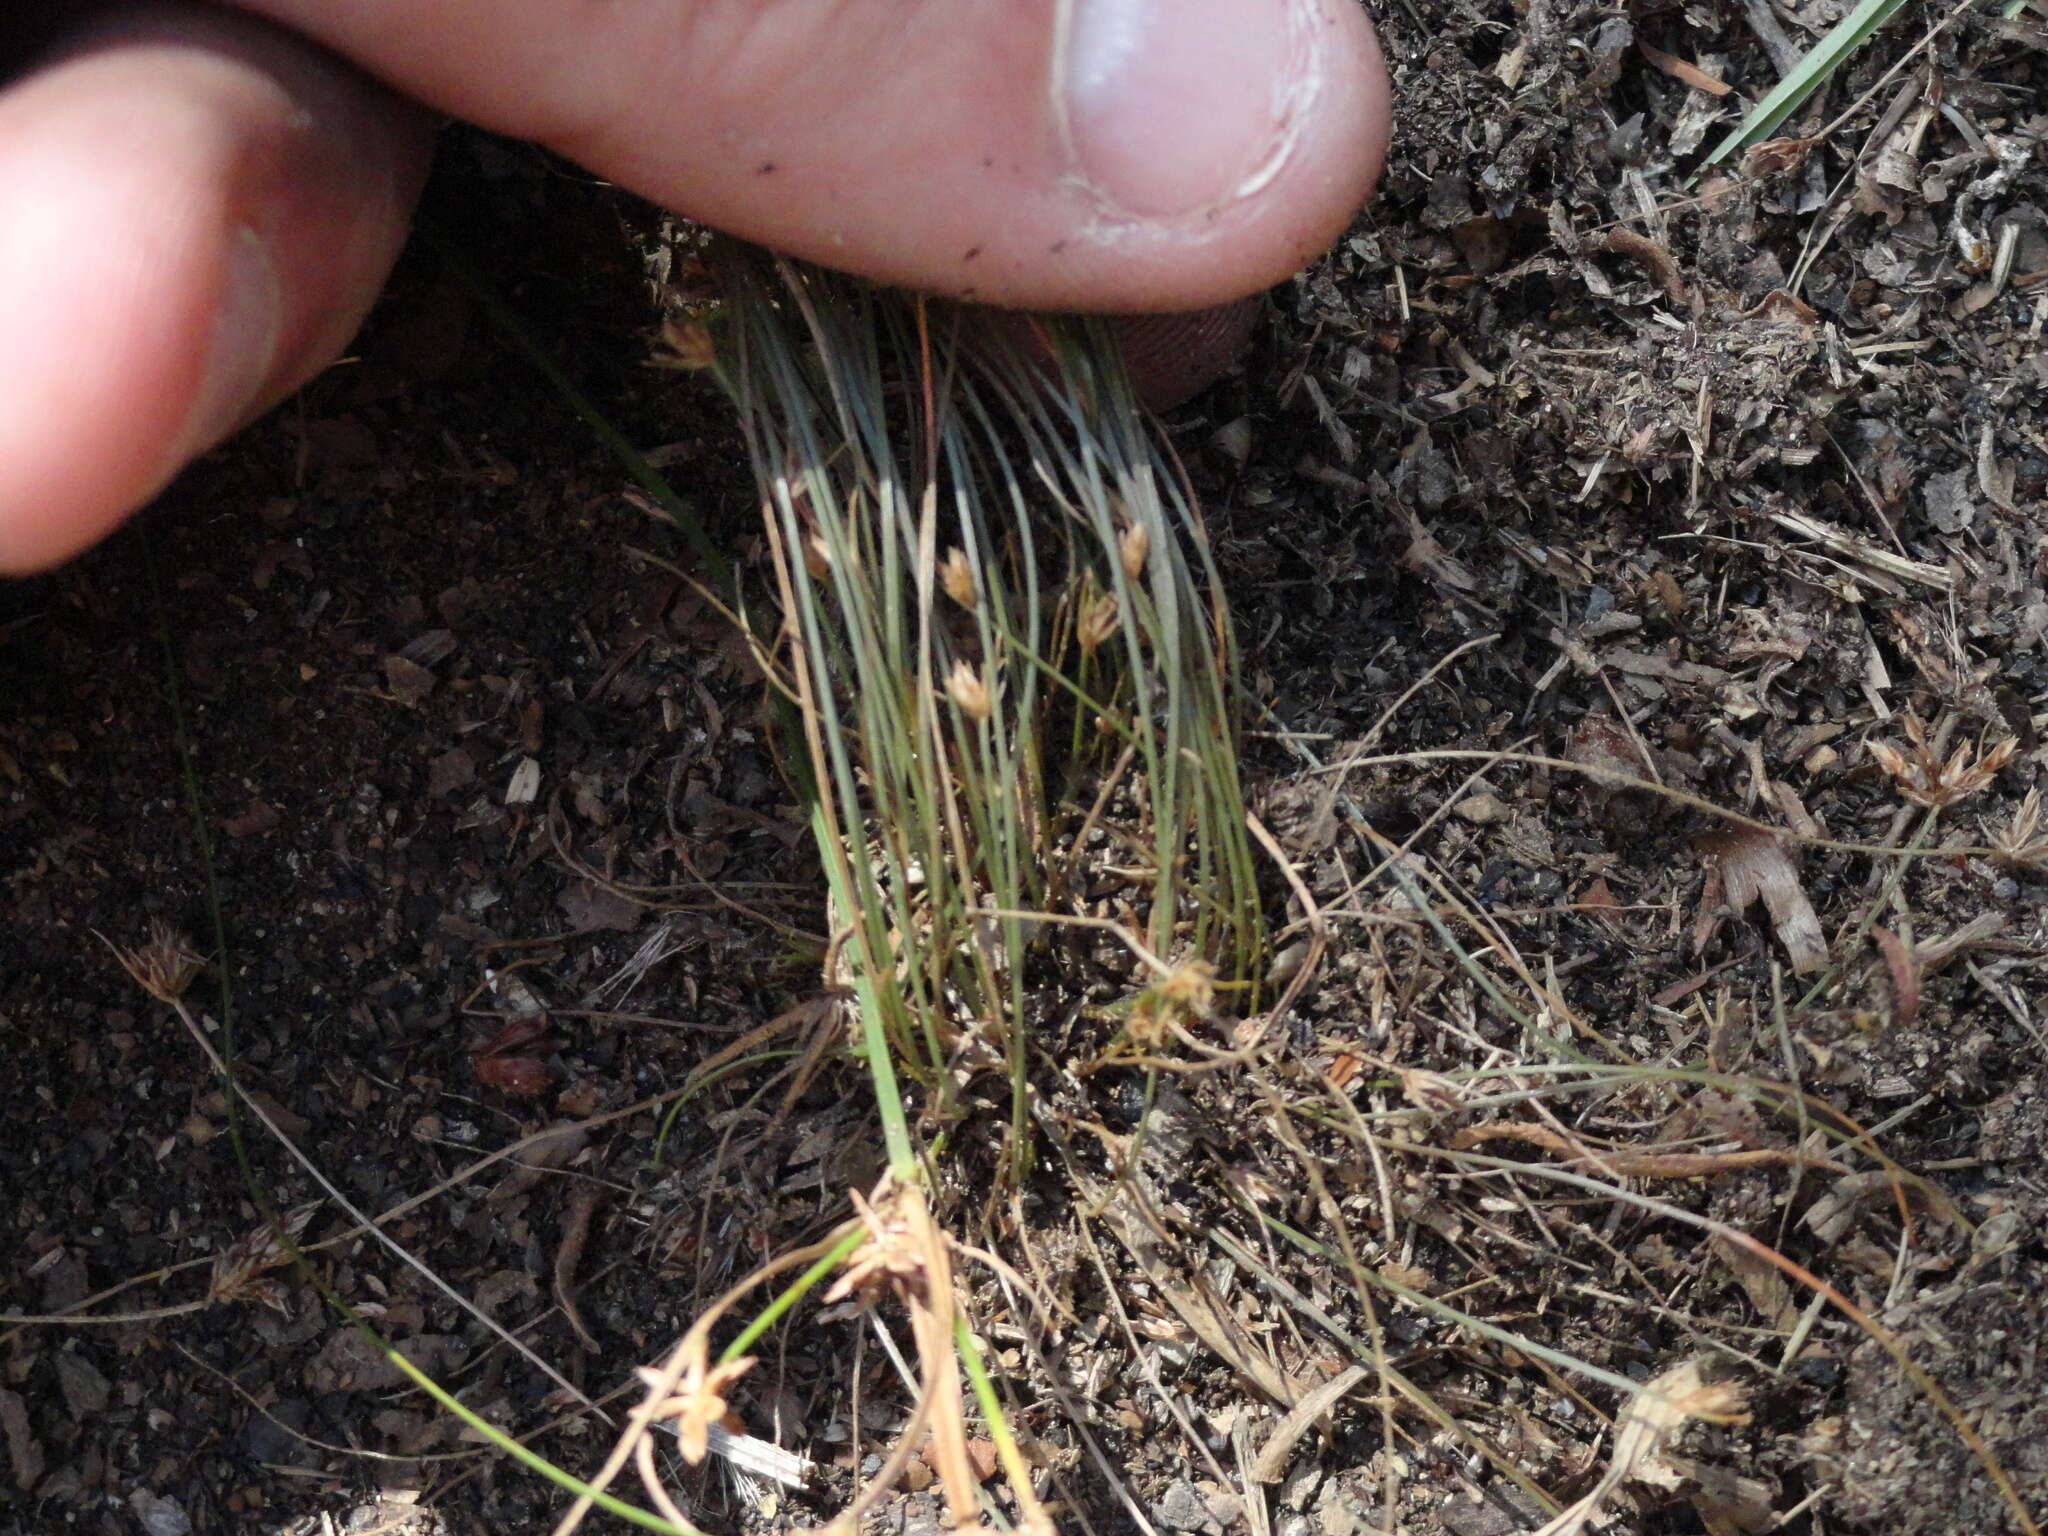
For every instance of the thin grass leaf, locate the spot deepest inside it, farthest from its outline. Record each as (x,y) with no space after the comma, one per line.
(1812,71)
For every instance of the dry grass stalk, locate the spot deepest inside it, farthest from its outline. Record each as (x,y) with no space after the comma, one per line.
(164,967)
(1392,1138)
(1873,557)
(894,1250)
(908,1257)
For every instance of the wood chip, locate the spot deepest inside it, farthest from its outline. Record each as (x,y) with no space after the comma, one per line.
(1679,69)
(1752,866)
(24,1451)
(258,818)
(1860,552)
(1274,1456)
(409,682)
(591,907)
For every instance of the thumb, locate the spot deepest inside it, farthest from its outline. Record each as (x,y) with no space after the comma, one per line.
(1052,154)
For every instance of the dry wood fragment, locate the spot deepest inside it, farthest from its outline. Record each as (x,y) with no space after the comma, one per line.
(1651,257)
(24,1450)
(1278,1450)
(1679,69)
(583,1200)
(1746,866)
(1905,975)
(1871,556)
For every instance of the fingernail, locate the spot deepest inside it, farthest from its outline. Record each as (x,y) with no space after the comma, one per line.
(242,348)
(1175,106)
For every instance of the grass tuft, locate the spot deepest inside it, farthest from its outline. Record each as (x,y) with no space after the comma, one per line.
(1004,648)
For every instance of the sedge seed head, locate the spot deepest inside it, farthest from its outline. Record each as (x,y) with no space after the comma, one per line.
(686,344)
(968,692)
(817,558)
(957,577)
(1189,987)
(1133,545)
(164,966)
(1097,621)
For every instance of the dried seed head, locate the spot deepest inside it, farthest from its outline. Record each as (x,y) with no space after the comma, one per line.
(817,558)
(1188,991)
(1148,1023)
(957,577)
(699,1399)
(897,1254)
(1097,621)
(1132,547)
(164,966)
(238,1269)
(686,344)
(1920,775)
(967,691)
(2021,844)
(1190,987)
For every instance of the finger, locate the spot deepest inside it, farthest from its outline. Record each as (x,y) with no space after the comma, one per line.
(1173,357)
(195,214)
(1051,154)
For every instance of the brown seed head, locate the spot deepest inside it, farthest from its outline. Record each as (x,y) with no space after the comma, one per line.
(164,966)
(1097,621)
(967,691)
(686,344)
(1132,547)
(957,577)
(817,558)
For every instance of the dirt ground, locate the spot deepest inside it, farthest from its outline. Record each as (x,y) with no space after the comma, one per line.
(1564,461)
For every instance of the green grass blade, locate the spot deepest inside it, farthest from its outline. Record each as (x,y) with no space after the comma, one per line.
(1821,61)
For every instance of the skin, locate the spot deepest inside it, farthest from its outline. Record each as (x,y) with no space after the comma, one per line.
(198,206)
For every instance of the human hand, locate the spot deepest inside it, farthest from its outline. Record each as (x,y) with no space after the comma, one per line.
(197,207)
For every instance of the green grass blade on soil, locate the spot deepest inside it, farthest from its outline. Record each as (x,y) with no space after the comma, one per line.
(1812,71)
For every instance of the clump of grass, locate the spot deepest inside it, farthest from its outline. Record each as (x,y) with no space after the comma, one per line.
(1005,650)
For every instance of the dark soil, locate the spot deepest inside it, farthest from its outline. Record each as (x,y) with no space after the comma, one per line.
(1727,481)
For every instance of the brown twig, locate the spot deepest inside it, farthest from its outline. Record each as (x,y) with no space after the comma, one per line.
(583,1200)
(1644,1165)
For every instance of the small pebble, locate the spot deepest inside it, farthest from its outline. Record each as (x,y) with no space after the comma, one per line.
(1481,809)
(159,1516)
